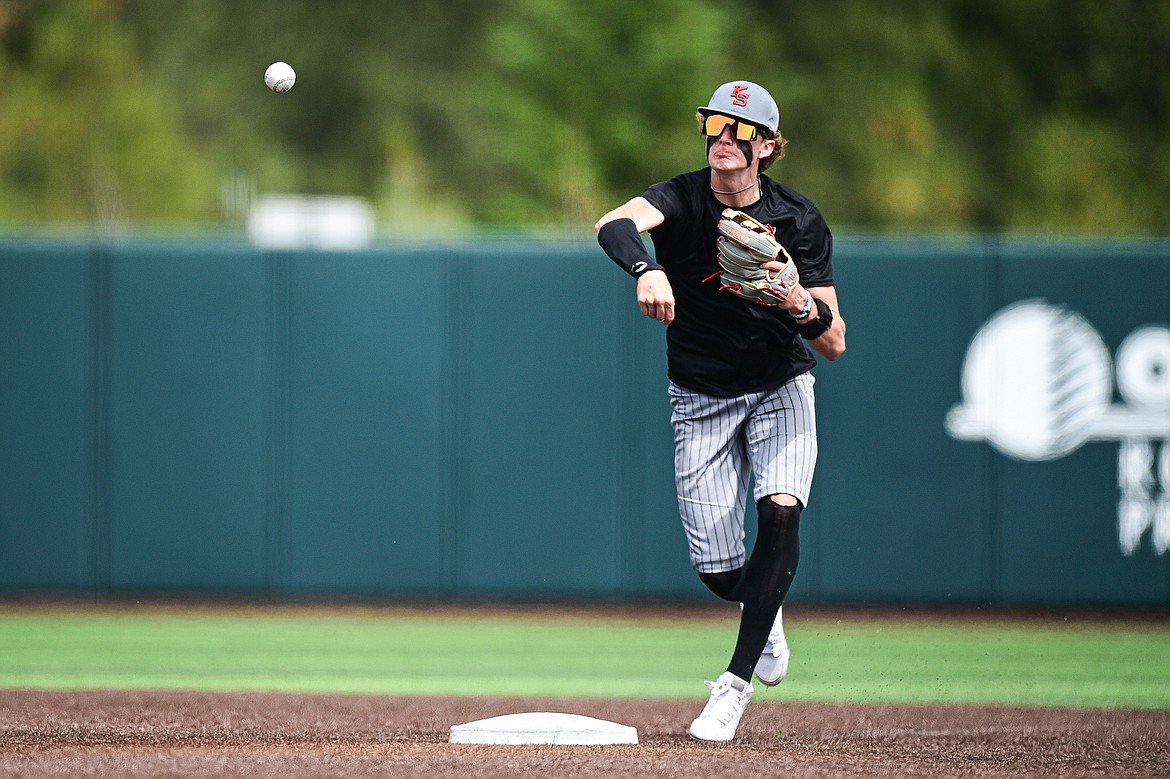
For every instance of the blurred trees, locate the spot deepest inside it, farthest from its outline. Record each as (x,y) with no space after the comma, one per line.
(1030,115)
(87,134)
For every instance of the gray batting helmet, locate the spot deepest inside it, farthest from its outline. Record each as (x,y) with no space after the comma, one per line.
(747,101)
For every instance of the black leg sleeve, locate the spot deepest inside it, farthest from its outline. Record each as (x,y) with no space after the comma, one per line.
(723,583)
(766,578)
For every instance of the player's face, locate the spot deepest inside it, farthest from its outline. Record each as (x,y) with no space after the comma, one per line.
(735,145)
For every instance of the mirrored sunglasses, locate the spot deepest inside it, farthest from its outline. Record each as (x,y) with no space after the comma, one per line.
(715,124)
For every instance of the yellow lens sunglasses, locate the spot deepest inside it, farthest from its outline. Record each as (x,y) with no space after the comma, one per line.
(715,124)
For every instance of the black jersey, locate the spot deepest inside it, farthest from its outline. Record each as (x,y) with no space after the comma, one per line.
(720,344)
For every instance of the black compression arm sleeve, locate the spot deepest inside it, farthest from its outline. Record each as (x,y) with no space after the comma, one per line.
(623,244)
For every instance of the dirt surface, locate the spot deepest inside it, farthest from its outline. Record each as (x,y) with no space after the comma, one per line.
(185,734)
(92,734)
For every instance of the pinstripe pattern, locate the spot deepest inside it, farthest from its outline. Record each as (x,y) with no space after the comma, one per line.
(720,443)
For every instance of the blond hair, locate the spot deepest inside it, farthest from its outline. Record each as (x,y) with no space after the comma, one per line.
(777,153)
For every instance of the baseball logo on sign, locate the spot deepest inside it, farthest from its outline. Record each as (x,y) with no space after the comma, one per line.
(1038,383)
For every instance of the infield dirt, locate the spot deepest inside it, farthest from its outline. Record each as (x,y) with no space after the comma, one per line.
(160,734)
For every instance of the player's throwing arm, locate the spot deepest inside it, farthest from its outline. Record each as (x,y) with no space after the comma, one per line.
(619,233)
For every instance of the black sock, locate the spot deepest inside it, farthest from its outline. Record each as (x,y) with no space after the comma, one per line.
(765,582)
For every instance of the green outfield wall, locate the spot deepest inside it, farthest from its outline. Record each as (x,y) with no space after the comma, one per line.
(491,421)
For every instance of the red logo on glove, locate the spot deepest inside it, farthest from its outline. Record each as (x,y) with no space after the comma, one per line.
(739,95)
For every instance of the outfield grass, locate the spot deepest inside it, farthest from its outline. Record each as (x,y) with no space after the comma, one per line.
(853,659)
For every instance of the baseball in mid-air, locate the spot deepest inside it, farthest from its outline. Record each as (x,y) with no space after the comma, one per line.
(280,77)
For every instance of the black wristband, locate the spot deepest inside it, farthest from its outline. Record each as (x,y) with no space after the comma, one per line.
(622,242)
(815,328)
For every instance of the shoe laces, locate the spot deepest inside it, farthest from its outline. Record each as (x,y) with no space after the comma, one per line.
(776,643)
(775,647)
(725,704)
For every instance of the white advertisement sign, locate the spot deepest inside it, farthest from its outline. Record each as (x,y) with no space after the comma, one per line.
(1038,383)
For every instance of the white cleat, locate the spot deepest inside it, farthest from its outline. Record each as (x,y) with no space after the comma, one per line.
(772,666)
(730,695)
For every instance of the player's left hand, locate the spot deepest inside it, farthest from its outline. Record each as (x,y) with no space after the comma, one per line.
(753,264)
(792,302)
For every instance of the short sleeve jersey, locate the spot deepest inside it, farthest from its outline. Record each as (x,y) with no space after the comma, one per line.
(720,344)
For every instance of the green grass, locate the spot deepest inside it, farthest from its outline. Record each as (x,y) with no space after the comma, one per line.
(855,659)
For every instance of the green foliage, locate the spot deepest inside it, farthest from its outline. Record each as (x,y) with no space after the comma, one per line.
(1022,115)
(86,136)
(577,101)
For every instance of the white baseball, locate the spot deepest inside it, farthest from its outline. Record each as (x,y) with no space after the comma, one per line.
(280,77)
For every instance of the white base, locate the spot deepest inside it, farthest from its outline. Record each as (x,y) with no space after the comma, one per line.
(542,727)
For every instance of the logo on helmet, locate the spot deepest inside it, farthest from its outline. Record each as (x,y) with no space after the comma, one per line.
(739,95)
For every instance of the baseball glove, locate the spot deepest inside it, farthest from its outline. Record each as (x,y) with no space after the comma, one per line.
(744,245)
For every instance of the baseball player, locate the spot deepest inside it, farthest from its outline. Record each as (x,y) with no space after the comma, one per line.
(740,388)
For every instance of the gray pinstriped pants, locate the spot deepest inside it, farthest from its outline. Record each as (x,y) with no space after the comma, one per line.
(719,443)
